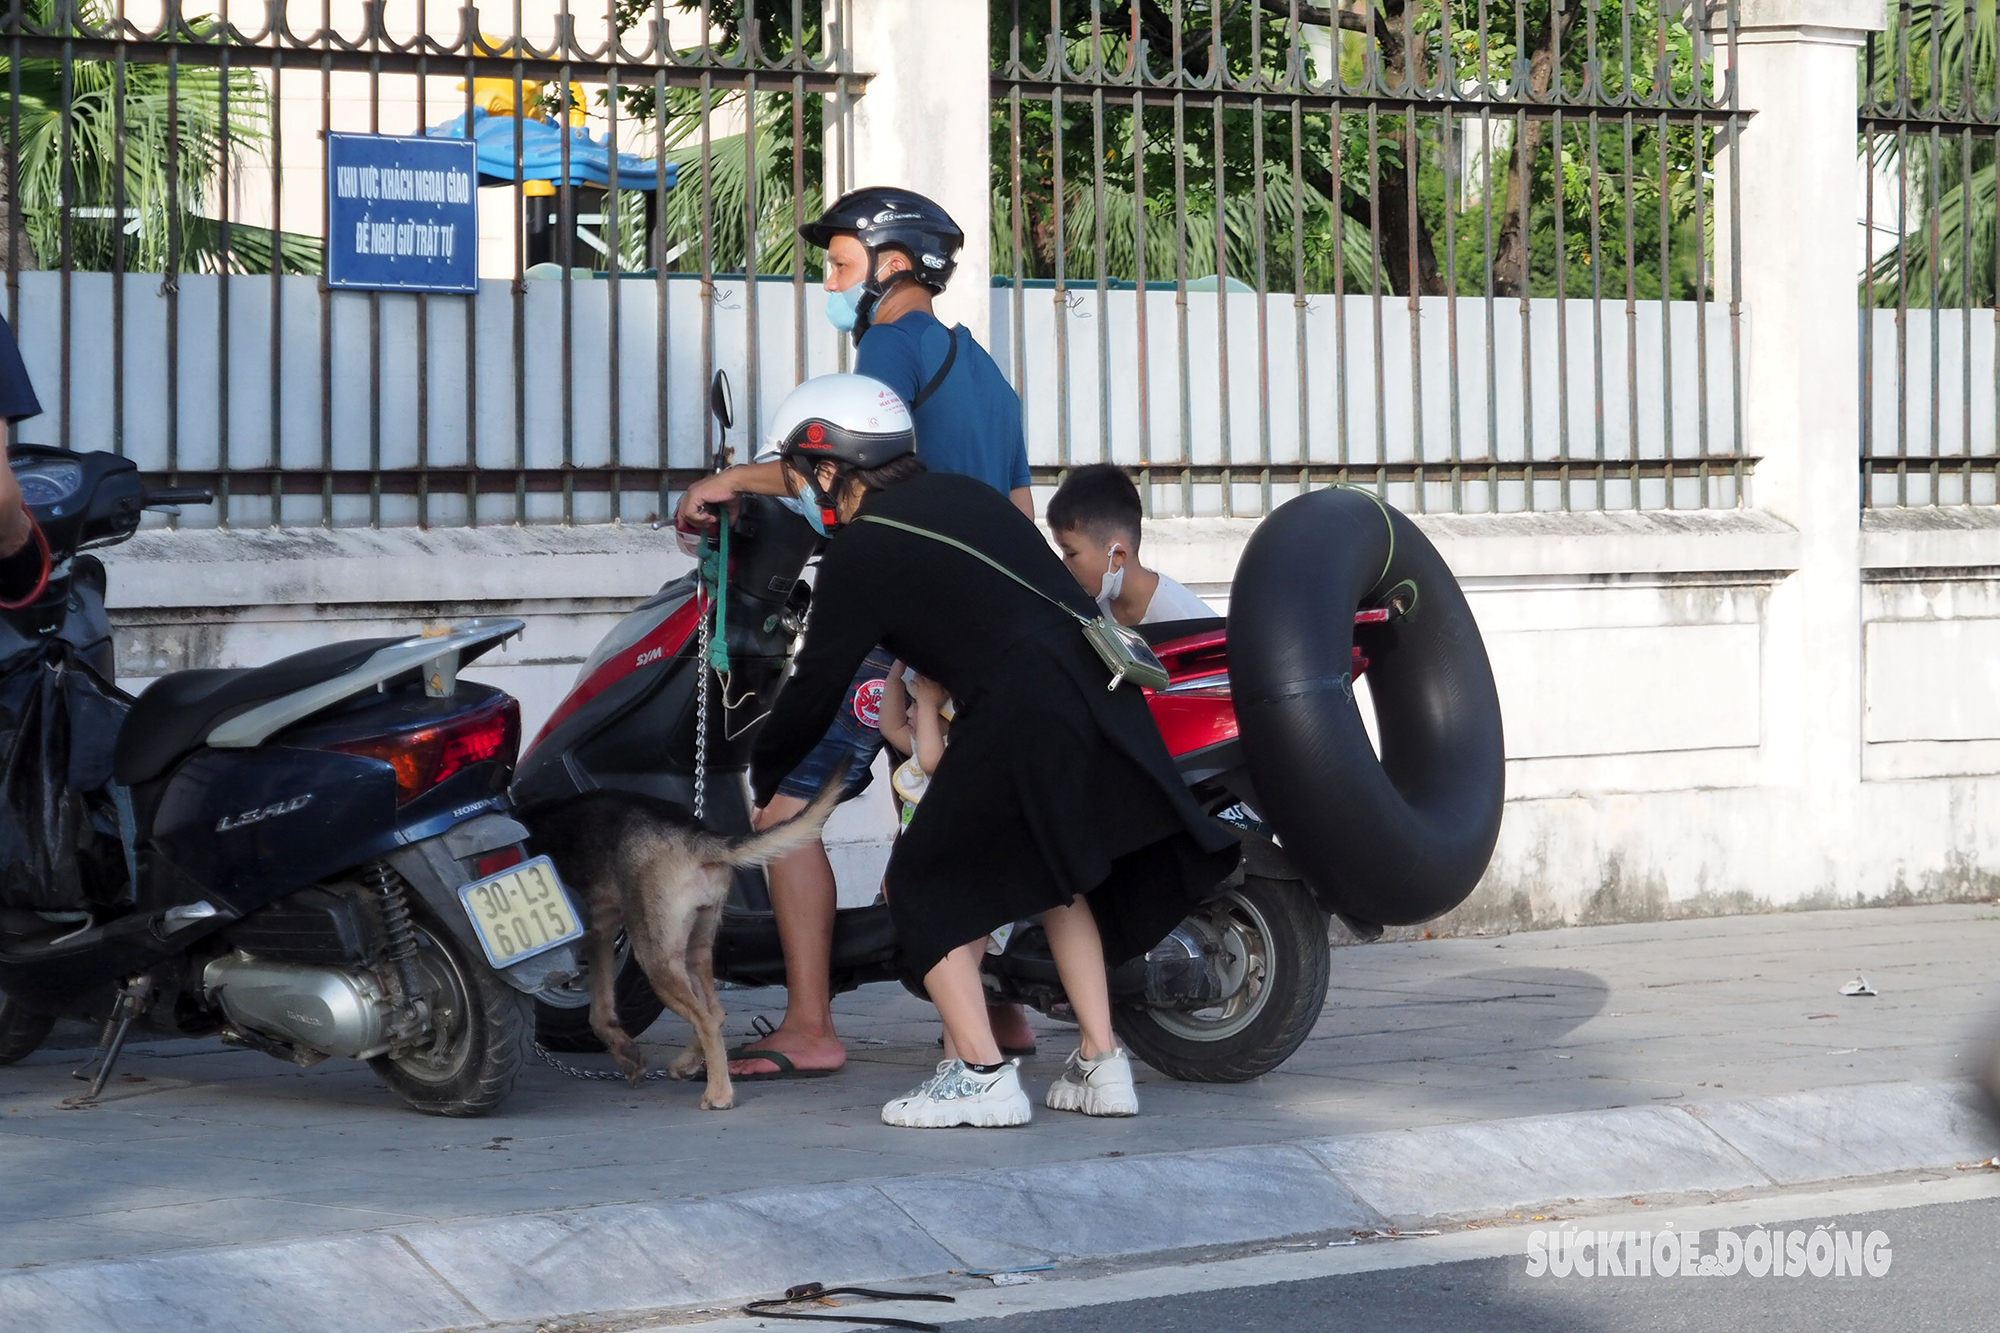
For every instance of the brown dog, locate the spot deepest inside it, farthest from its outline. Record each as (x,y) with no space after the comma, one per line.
(642,865)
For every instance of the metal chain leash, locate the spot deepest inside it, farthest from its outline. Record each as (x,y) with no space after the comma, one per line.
(701,698)
(592,1075)
(760,1027)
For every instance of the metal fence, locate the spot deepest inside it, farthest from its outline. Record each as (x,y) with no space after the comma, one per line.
(1461,252)
(1930,361)
(164,171)
(1464,252)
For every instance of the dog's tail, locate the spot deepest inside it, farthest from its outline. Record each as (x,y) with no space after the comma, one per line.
(781,840)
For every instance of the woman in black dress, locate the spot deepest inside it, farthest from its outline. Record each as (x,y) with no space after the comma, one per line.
(1057,798)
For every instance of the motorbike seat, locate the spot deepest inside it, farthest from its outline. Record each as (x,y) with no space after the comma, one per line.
(178,711)
(1166,631)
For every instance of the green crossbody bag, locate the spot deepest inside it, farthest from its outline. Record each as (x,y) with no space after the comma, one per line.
(1126,655)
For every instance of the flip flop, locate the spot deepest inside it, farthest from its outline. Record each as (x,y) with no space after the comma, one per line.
(785,1067)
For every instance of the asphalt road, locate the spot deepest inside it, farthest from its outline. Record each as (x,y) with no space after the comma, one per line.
(1943,1276)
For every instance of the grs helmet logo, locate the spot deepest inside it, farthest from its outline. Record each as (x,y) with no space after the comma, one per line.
(891,215)
(932,261)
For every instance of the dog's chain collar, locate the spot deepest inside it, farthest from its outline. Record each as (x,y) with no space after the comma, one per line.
(592,1075)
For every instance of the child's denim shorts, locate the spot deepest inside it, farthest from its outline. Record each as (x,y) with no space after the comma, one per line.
(855,735)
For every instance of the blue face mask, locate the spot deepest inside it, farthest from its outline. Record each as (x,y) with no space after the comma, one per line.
(802,504)
(843,309)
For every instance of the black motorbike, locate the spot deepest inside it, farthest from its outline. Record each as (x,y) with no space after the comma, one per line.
(1229,995)
(310,858)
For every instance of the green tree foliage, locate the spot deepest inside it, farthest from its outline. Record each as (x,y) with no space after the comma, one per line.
(739,188)
(138,158)
(1286,196)
(1935,243)
(715,200)
(1433,200)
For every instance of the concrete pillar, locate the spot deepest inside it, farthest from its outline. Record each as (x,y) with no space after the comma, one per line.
(923,123)
(1793,169)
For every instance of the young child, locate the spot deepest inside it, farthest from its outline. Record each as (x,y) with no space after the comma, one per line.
(916,718)
(1094,516)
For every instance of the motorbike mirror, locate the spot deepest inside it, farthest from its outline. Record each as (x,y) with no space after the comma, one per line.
(719,401)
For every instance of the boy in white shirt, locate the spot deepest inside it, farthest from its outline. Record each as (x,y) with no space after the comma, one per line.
(1094,516)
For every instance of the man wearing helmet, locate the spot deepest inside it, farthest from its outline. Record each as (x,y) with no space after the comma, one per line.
(888,253)
(1059,801)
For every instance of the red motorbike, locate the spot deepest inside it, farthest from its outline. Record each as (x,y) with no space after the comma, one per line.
(1259,713)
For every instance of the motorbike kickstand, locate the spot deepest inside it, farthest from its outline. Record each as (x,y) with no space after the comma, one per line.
(133,1000)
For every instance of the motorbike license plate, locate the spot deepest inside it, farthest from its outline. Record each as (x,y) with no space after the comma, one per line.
(521,912)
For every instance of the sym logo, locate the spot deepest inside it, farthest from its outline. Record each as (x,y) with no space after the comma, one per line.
(230,822)
(650,655)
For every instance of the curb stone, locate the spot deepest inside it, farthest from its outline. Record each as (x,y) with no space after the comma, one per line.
(636,1257)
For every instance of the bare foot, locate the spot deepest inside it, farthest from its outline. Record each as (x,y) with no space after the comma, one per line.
(806,1051)
(1010,1027)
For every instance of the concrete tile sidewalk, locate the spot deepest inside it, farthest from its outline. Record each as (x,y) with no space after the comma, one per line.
(201,1147)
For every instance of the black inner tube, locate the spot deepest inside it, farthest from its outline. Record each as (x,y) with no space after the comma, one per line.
(1391,842)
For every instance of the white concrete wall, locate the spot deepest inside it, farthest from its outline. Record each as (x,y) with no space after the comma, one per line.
(1653,711)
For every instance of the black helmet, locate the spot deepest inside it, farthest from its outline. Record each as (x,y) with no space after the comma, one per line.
(879,216)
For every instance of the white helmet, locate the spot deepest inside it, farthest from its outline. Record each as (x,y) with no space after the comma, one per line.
(854,420)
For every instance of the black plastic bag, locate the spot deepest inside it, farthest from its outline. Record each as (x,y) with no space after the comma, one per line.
(60,849)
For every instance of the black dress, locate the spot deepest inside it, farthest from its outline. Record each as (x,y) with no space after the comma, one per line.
(1053,786)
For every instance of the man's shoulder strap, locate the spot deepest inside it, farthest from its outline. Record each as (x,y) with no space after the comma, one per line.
(937,380)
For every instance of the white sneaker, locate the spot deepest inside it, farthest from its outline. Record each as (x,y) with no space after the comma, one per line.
(957,1095)
(1095,1087)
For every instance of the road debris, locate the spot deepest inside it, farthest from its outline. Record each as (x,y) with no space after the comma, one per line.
(1005,1277)
(1858,986)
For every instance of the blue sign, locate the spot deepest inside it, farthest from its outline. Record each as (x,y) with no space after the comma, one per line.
(402,214)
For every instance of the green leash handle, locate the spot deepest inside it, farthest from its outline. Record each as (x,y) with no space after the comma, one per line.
(715,572)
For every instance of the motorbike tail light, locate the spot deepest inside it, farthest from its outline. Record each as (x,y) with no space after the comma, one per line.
(494,862)
(425,756)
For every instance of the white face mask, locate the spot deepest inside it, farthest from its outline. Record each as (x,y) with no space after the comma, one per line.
(1113,584)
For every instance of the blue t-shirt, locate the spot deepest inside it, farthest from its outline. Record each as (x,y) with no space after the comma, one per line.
(971,424)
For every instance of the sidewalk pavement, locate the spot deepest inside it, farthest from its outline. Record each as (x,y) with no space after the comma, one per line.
(1447,1080)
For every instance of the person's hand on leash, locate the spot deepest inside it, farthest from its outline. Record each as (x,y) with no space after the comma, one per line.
(701,500)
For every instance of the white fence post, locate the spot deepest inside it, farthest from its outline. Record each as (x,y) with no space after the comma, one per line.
(923,123)
(1793,171)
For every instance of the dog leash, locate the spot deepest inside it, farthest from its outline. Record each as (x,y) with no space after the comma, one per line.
(711,650)
(593,1075)
(813,1291)
(760,1027)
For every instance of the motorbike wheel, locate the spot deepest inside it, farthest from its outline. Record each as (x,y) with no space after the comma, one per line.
(562,1014)
(1279,966)
(479,1036)
(21,1031)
